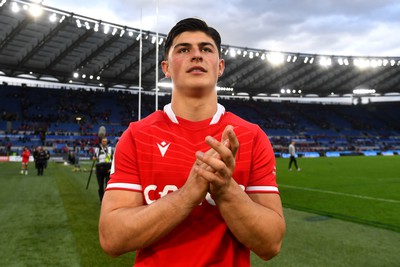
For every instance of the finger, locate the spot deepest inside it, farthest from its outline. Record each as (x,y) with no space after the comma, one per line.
(202,165)
(219,147)
(214,164)
(233,141)
(225,137)
(224,152)
(209,176)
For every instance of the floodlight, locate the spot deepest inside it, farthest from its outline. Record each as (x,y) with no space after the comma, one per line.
(106,28)
(362,63)
(15,7)
(276,58)
(325,61)
(53,17)
(35,10)
(363,91)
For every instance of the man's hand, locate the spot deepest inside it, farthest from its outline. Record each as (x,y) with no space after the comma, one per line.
(218,166)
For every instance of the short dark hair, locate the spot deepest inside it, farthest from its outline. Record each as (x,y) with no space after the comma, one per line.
(192,25)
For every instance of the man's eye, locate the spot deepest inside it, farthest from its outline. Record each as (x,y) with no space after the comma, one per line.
(183,50)
(206,49)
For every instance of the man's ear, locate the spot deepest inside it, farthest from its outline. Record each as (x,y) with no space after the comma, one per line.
(221,67)
(164,66)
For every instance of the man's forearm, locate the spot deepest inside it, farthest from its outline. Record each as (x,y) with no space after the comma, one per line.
(258,227)
(132,228)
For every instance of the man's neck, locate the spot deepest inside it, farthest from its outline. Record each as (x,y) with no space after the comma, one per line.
(194,108)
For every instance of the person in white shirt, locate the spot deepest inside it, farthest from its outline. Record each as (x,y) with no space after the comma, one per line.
(292,152)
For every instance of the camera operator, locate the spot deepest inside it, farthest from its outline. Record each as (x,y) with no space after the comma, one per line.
(103,154)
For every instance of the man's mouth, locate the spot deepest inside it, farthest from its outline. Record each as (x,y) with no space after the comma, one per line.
(196,69)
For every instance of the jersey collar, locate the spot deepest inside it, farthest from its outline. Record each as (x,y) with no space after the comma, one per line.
(215,119)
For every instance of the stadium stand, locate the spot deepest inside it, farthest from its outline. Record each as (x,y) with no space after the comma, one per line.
(35,116)
(68,115)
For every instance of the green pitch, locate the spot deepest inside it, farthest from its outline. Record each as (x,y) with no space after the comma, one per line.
(339,212)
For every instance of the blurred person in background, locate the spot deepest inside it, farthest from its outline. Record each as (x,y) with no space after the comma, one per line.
(40,157)
(103,154)
(25,160)
(292,153)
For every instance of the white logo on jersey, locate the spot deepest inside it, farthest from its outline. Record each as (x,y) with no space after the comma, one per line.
(163,147)
(169,189)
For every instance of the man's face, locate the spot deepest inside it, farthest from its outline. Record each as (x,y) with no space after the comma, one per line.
(193,62)
(104,142)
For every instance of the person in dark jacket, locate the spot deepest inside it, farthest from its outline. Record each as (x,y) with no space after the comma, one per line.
(40,157)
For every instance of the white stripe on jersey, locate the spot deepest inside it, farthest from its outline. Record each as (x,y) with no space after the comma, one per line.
(262,188)
(136,187)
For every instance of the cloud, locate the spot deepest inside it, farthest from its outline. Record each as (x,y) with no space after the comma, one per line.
(340,27)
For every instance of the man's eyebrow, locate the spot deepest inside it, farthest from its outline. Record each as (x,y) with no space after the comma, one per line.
(182,44)
(201,44)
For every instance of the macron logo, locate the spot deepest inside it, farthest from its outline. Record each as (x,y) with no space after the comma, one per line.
(163,147)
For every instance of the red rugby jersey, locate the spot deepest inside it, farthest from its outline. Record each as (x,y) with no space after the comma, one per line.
(25,156)
(154,156)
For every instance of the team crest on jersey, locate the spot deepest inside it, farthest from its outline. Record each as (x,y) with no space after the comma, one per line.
(163,147)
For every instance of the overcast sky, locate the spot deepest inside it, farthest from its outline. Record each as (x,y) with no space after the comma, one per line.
(330,27)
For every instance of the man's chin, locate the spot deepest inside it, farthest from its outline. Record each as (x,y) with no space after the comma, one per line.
(198,91)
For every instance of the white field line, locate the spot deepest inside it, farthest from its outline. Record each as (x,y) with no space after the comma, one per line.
(340,194)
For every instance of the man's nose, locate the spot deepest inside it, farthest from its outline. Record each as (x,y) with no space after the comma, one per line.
(196,55)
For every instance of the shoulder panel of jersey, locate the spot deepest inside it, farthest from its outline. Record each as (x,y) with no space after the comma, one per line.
(124,171)
(255,155)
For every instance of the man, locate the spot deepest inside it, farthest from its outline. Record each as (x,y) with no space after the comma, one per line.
(181,192)
(292,153)
(40,157)
(103,155)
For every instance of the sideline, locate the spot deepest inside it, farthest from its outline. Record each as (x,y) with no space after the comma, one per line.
(339,193)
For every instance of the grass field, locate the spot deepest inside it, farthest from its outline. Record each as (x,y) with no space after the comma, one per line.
(339,212)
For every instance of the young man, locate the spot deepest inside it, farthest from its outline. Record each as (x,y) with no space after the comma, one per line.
(25,160)
(182,192)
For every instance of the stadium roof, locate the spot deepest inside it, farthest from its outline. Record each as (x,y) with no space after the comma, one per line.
(70,48)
